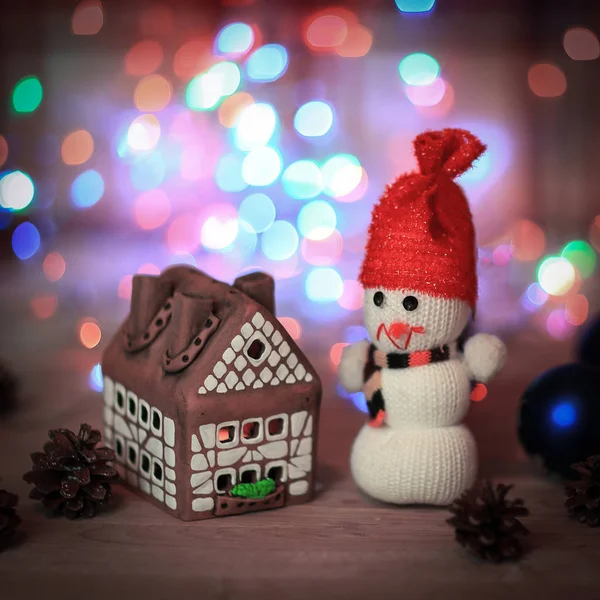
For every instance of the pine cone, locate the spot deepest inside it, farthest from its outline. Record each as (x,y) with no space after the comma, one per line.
(9,520)
(72,476)
(583,496)
(486,523)
(8,388)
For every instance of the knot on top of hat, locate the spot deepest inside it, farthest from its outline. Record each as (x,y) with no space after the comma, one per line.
(450,152)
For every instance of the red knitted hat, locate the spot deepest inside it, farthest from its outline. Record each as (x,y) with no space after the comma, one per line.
(421,235)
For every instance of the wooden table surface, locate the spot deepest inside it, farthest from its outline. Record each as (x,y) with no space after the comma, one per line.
(339,546)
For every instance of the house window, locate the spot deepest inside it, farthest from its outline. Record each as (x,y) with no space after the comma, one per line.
(224,480)
(132,455)
(276,470)
(156,422)
(277,427)
(257,348)
(249,477)
(120,398)
(119,447)
(157,471)
(252,431)
(132,405)
(249,474)
(144,414)
(145,463)
(227,434)
(276,474)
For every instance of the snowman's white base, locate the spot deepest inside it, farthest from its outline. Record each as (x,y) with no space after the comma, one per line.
(414,465)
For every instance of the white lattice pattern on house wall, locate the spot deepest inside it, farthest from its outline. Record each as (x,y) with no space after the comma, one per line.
(143,440)
(261,444)
(257,356)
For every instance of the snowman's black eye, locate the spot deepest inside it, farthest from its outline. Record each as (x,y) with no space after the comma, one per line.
(378,298)
(410,303)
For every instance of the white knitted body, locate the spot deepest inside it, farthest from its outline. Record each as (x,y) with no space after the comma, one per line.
(436,395)
(421,454)
(414,465)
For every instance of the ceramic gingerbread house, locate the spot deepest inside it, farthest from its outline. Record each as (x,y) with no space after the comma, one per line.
(205,389)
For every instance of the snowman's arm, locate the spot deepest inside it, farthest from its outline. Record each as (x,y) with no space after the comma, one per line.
(484,356)
(352,363)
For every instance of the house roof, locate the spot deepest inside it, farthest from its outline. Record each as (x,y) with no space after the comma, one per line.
(189,333)
(187,306)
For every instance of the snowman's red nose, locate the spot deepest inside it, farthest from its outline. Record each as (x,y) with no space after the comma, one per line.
(398,329)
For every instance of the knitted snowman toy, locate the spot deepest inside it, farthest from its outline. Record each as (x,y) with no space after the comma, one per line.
(420,282)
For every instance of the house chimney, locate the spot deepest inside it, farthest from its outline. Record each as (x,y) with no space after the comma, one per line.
(148,293)
(260,287)
(190,314)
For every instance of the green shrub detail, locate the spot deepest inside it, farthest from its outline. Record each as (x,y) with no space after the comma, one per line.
(260,489)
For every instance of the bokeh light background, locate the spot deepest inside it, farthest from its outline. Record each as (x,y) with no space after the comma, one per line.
(233,139)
